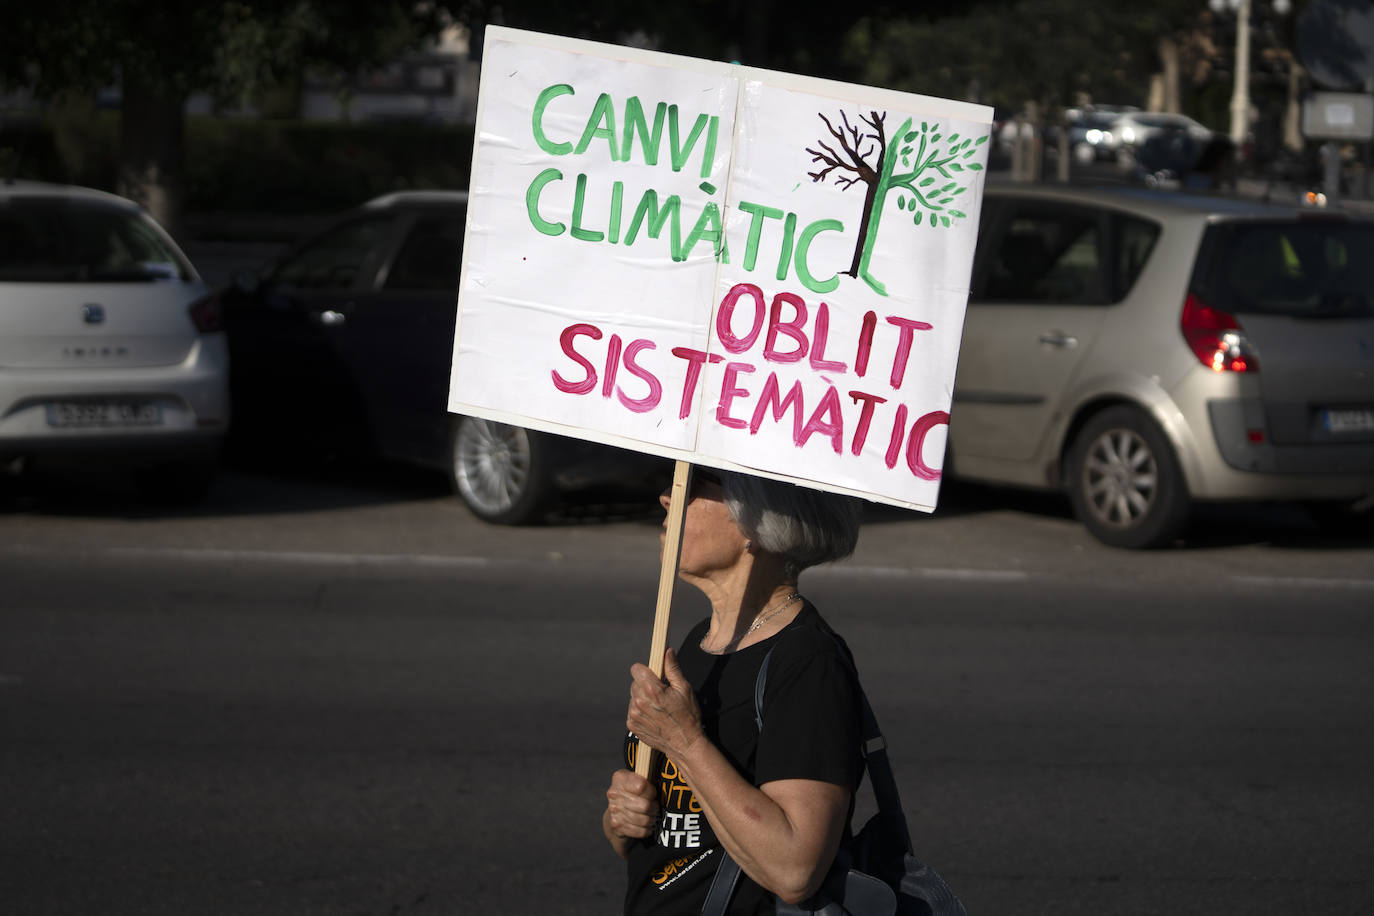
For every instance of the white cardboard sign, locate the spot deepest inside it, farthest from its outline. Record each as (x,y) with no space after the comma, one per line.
(736,267)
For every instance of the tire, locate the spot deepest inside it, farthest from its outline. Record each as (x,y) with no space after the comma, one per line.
(1124,481)
(501,472)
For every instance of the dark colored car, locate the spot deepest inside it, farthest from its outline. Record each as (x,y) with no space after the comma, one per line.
(346,341)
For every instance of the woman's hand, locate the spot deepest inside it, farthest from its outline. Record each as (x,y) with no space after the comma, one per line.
(664,716)
(631,809)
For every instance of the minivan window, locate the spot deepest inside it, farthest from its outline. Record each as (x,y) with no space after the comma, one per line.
(1049,255)
(1313,269)
(58,240)
(1135,240)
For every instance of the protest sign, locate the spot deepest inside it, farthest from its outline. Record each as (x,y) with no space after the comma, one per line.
(729,266)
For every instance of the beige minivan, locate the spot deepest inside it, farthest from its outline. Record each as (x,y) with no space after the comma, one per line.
(1145,350)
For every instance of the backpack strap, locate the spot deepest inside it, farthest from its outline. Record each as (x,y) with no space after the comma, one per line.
(875,762)
(759,683)
(722,886)
(874,745)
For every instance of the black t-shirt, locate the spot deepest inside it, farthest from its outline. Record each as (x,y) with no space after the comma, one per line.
(811,730)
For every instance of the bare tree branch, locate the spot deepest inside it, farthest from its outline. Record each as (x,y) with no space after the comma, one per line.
(854,142)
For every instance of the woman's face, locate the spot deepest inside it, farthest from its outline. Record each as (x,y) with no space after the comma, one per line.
(711,541)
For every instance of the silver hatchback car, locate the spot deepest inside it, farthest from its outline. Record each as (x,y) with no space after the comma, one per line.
(1144,351)
(111,348)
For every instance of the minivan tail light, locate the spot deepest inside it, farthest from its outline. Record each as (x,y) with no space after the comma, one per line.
(1216,337)
(207,314)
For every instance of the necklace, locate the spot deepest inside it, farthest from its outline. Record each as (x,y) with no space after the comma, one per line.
(764,617)
(758,622)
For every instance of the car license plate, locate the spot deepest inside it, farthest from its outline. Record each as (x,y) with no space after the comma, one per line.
(1348,420)
(88,414)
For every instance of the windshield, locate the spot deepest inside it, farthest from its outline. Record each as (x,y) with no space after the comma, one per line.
(60,240)
(1158,121)
(1302,269)
(334,259)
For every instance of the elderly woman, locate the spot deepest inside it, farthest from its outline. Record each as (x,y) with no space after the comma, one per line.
(777,798)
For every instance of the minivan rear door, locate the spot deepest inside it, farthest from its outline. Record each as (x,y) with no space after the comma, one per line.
(1303,293)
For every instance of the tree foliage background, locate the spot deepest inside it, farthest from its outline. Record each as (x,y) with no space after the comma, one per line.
(158,53)
(1050,51)
(1002,52)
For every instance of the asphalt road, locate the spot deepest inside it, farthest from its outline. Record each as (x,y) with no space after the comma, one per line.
(339,693)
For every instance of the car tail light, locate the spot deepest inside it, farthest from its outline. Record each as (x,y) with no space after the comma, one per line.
(1216,337)
(207,314)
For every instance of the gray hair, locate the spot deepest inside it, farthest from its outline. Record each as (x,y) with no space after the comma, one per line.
(803,527)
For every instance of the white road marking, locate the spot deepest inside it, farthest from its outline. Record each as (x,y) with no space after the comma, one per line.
(921,572)
(467,562)
(311,558)
(1303,582)
(289,557)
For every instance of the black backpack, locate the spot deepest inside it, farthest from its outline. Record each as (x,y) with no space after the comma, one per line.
(875,874)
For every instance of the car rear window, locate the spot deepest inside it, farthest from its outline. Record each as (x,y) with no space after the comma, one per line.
(1302,269)
(59,240)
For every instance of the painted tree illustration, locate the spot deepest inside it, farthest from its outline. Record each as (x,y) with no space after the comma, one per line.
(928,182)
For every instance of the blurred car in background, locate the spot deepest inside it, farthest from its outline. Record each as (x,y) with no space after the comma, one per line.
(1144,351)
(1134,128)
(345,342)
(1163,150)
(1086,129)
(111,350)
(1090,132)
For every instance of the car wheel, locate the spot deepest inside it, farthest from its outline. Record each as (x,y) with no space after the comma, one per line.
(1125,482)
(500,471)
(183,483)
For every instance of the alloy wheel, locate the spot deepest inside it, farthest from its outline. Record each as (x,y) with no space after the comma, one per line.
(1120,478)
(492,465)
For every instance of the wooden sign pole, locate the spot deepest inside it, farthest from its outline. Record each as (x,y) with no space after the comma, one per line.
(667,578)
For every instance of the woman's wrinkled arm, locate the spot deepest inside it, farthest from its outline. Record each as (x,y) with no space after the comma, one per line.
(784,835)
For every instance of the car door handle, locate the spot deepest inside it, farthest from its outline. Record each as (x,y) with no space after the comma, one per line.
(330,318)
(1059,339)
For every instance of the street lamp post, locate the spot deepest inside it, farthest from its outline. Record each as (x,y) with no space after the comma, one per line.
(1240,90)
(1240,87)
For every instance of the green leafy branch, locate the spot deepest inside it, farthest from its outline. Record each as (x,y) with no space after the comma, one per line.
(922,152)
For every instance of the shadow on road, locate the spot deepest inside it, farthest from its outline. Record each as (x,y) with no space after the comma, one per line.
(1213,526)
(238,491)
(324,484)
(318,484)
